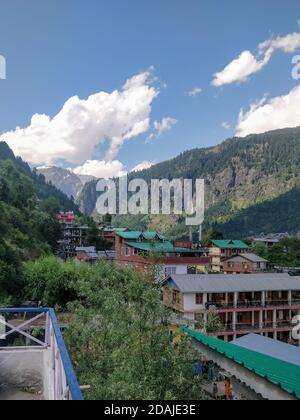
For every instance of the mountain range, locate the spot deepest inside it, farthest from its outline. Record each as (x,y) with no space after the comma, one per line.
(252,186)
(65,180)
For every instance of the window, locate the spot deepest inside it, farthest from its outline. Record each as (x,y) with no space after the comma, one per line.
(170,271)
(175,296)
(127,252)
(199,299)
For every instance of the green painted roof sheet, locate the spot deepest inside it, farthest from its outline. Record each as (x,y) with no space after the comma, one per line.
(151,235)
(130,235)
(116,230)
(148,235)
(278,372)
(155,247)
(230,244)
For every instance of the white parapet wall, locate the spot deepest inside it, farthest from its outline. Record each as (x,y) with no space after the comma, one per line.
(43,365)
(22,368)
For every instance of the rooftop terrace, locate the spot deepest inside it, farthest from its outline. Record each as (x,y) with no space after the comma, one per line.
(34,361)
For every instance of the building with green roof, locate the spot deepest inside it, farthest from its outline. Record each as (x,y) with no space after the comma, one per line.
(136,249)
(219,250)
(269,377)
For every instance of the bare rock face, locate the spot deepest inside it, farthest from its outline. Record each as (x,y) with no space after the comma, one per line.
(65,180)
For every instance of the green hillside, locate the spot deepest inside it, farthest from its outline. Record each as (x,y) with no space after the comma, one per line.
(28,228)
(240,174)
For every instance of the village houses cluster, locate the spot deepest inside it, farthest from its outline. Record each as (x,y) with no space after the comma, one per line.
(221,289)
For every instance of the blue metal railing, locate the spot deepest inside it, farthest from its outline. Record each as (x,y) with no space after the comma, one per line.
(73,385)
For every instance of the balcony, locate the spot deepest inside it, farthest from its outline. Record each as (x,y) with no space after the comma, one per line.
(34,362)
(220,306)
(257,327)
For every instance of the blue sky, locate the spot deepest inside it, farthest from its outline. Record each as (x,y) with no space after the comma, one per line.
(58,49)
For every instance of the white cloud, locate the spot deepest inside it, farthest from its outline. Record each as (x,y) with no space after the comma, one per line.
(272,114)
(247,64)
(162,127)
(166,124)
(238,70)
(81,125)
(195,92)
(226,125)
(142,166)
(101,169)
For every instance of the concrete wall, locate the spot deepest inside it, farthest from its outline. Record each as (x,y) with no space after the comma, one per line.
(190,302)
(30,368)
(21,369)
(180,269)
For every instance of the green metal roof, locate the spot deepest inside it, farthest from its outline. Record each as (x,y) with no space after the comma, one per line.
(155,247)
(148,235)
(278,372)
(116,230)
(130,235)
(230,244)
(151,235)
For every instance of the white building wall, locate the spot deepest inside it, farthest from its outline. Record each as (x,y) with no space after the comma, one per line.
(189,301)
(180,269)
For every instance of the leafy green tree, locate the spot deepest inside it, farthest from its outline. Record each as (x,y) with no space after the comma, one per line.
(286,253)
(120,344)
(50,282)
(211,324)
(94,238)
(260,249)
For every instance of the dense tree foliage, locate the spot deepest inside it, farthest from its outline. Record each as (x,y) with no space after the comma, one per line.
(28,228)
(121,344)
(50,282)
(273,216)
(284,254)
(119,336)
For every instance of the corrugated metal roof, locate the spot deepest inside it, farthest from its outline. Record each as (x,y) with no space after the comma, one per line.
(280,373)
(253,258)
(148,235)
(269,347)
(222,283)
(130,235)
(230,244)
(155,247)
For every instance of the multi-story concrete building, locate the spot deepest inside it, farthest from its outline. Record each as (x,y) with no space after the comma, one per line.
(74,236)
(263,304)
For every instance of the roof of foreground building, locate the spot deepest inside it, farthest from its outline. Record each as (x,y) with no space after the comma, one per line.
(270,347)
(280,373)
(227,283)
